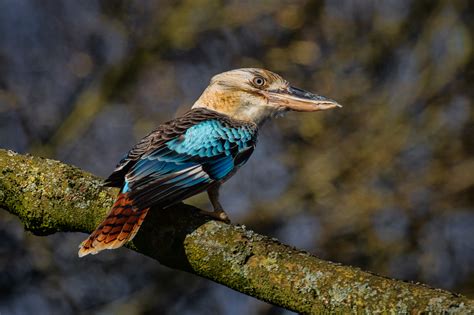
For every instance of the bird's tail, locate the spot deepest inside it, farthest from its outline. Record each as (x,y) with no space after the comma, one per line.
(120,226)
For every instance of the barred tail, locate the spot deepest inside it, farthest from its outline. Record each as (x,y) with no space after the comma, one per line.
(120,226)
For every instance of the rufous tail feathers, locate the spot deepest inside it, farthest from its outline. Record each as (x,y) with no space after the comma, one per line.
(120,226)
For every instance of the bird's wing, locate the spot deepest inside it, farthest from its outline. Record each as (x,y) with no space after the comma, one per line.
(153,141)
(184,158)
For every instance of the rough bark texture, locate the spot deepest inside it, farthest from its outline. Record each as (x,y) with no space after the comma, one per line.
(49,196)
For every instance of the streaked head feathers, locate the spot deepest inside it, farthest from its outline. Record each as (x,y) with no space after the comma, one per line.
(255,95)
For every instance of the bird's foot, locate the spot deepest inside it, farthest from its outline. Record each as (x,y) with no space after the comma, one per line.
(219,215)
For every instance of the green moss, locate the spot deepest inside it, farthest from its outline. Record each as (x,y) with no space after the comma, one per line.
(256,265)
(49,196)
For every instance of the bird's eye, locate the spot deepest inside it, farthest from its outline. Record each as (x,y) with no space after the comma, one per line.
(259,81)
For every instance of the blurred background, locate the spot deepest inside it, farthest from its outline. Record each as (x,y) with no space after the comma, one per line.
(386,183)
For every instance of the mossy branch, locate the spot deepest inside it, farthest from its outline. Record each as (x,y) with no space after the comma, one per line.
(49,196)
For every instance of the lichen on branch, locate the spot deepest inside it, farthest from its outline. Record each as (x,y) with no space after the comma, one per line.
(49,196)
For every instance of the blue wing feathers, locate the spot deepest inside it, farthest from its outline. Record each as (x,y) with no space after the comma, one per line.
(125,187)
(222,169)
(188,163)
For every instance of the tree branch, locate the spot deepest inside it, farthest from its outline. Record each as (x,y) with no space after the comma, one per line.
(49,196)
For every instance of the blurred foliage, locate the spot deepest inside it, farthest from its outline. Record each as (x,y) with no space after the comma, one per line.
(386,183)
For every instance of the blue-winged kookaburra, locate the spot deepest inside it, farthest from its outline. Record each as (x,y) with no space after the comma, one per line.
(198,151)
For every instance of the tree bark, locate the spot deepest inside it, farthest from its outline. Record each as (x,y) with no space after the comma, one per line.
(49,196)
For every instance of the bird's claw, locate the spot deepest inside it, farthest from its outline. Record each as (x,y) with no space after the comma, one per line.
(218,215)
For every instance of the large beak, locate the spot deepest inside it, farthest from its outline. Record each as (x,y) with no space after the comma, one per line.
(300,100)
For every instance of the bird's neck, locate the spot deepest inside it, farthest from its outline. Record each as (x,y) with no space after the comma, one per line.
(233,105)
(217,100)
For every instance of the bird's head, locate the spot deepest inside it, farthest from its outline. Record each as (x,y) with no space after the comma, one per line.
(255,95)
